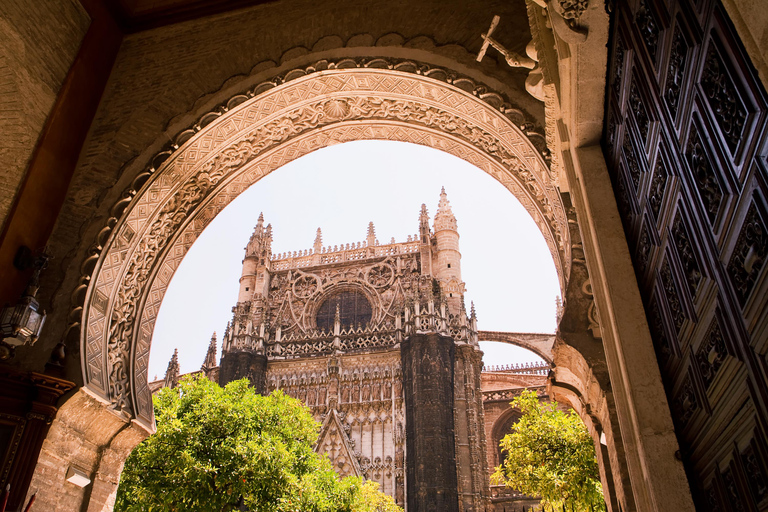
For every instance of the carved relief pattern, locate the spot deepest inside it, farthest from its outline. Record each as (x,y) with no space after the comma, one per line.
(712,353)
(658,186)
(639,111)
(660,340)
(633,165)
(673,299)
(205,175)
(622,196)
(675,71)
(723,98)
(756,475)
(366,396)
(686,402)
(749,254)
(712,501)
(703,174)
(731,488)
(685,252)
(645,21)
(618,64)
(644,246)
(380,276)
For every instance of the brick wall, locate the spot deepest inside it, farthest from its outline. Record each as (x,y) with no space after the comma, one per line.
(38,43)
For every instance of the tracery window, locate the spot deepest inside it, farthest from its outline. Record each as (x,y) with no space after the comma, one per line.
(354,310)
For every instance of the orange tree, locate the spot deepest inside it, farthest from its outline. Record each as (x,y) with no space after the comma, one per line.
(221,449)
(550,454)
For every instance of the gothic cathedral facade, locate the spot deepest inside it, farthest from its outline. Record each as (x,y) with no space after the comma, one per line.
(376,341)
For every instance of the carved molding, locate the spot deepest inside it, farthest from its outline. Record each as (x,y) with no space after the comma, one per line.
(209,165)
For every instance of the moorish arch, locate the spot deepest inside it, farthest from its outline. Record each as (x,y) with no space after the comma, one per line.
(256,133)
(121,291)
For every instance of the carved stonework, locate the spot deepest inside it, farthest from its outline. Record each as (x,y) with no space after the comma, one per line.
(182,183)
(749,254)
(359,401)
(593,317)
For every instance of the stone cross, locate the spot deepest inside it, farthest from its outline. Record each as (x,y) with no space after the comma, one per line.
(514,59)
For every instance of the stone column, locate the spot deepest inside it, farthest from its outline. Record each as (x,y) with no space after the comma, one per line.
(471,462)
(428,361)
(237,365)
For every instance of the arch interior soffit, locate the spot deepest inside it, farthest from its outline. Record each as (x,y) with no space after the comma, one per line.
(232,148)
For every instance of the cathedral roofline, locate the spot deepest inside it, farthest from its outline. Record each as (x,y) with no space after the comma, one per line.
(355,251)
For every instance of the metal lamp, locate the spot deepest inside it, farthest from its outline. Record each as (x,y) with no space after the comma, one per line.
(20,324)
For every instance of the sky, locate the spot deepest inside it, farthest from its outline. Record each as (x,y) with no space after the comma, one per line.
(505,263)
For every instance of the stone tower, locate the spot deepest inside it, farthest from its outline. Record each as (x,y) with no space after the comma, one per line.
(376,341)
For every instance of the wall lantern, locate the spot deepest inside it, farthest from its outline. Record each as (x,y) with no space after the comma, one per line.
(20,324)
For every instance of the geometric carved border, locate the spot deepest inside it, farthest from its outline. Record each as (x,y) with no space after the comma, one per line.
(255,135)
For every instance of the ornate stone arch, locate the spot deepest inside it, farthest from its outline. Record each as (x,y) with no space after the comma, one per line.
(255,133)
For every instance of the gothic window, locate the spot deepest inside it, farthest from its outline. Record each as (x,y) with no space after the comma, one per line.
(354,309)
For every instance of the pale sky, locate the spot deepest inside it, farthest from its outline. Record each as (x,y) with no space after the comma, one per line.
(506,265)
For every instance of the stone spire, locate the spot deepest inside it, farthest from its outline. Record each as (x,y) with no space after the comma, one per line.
(318,241)
(371,238)
(172,373)
(210,356)
(424,224)
(260,244)
(444,218)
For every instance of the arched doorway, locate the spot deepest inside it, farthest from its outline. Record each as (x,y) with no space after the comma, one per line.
(258,132)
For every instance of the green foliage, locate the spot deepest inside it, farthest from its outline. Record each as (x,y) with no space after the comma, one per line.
(222,448)
(550,454)
(370,499)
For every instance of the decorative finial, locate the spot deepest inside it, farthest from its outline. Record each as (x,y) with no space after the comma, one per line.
(318,247)
(444,218)
(424,224)
(371,238)
(172,373)
(210,357)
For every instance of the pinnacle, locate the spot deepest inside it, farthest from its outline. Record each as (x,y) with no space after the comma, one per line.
(444,218)
(371,238)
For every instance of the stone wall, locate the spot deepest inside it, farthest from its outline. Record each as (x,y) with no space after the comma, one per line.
(38,43)
(428,385)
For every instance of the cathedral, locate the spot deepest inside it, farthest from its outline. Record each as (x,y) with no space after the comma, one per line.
(375,339)
(632,131)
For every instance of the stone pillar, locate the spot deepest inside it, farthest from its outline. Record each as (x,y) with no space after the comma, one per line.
(237,365)
(428,365)
(471,461)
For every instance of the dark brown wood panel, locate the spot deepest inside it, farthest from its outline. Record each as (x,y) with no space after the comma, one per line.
(685,141)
